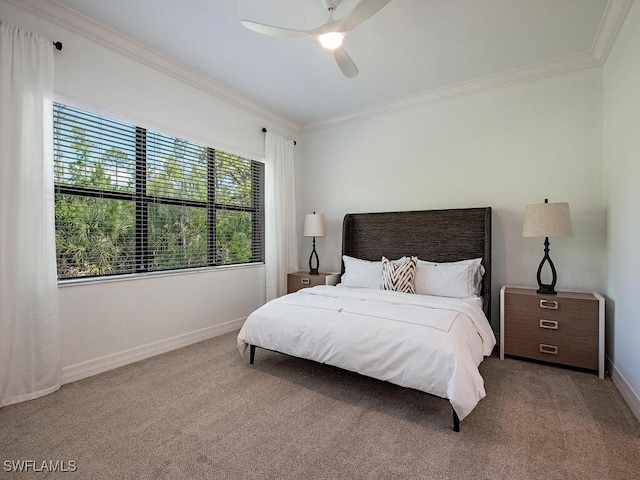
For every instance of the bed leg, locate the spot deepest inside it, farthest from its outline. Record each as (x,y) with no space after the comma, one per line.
(252,354)
(456,421)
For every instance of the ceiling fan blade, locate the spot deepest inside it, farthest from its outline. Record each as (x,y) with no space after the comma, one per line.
(345,63)
(364,10)
(275,31)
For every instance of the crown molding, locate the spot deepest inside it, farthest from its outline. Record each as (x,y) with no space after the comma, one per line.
(614,16)
(80,24)
(505,79)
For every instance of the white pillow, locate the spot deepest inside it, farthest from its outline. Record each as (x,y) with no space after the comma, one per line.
(455,279)
(363,273)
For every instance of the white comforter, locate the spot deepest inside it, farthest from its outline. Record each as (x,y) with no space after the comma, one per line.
(432,344)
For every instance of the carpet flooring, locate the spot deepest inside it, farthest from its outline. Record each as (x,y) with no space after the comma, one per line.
(204,412)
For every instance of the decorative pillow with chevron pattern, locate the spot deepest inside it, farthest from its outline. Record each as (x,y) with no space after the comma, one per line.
(398,276)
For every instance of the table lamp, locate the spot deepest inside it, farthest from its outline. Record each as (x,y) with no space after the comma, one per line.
(547,220)
(314,227)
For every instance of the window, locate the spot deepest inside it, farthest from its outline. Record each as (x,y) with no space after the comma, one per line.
(130,200)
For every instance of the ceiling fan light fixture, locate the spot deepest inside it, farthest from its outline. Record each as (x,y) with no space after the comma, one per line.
(331,40)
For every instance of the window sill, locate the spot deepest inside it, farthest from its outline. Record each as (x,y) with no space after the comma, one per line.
(144,276)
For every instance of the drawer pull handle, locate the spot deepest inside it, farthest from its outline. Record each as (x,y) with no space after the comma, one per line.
(551,305)
(304,281)
(551,324)
(552,349)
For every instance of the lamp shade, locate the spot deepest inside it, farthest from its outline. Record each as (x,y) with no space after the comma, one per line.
(547,220)
(314,225)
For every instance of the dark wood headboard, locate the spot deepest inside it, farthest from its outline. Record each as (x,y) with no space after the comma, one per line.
(434,235)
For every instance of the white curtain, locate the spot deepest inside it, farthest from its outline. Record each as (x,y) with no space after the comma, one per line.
(281,232)
(30,346)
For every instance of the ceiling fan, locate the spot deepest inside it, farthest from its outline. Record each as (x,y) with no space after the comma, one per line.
(330,34)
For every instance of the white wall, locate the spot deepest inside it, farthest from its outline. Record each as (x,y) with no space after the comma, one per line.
(622,197)
(503,148)
(101,322)
(108,322)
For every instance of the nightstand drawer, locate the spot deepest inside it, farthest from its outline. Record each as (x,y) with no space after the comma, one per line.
(302,279)
(552,346)
(554,307)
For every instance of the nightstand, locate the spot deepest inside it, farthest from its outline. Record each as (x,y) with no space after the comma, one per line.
(566,329)
(303,279)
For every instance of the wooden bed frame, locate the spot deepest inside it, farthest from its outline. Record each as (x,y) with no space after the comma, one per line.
(434,235)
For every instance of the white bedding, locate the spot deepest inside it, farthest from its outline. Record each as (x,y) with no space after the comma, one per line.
(432,344)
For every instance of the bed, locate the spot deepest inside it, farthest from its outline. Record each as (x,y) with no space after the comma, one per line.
(425,341)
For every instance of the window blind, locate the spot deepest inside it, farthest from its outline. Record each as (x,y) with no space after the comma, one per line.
(132,200)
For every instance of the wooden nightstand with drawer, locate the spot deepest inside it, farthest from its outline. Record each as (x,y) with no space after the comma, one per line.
(567,328)
(302,279)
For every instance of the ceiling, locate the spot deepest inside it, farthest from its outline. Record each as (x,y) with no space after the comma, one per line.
(408,49)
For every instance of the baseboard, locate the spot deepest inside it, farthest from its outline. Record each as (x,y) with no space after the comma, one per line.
(86,369)
(628,393)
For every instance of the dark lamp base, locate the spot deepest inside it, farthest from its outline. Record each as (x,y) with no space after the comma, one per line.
(546,289)
(314,266)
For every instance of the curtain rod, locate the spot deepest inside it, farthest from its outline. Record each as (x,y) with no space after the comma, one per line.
(264,130)
(58,45)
